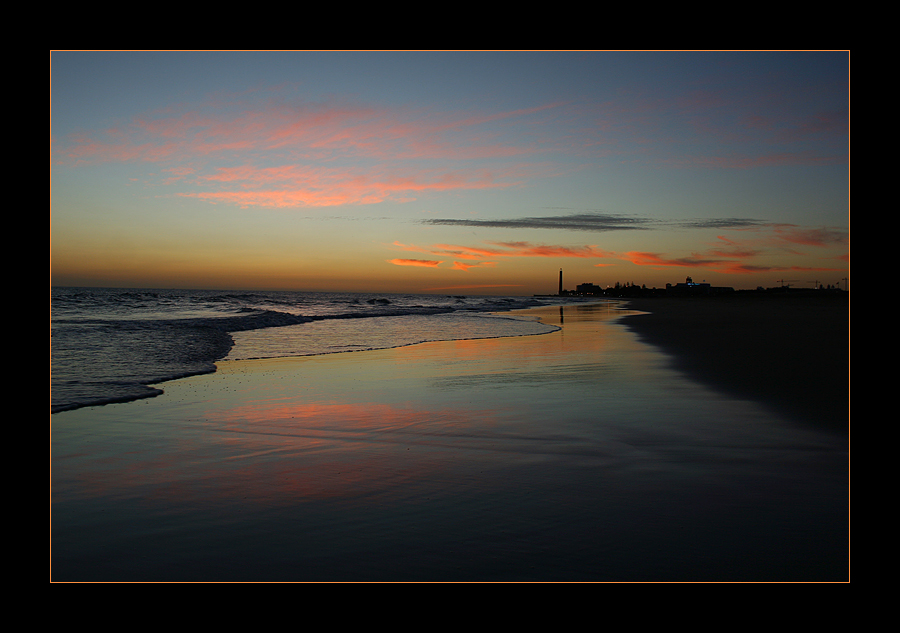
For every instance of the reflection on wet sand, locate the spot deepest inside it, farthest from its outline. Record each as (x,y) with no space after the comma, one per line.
(574,455)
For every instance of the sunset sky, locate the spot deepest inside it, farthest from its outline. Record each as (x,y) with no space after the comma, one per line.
(448,172)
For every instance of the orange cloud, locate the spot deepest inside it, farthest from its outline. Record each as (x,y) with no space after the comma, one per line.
(462,266)
(518,249)
(524,249)
(505,249)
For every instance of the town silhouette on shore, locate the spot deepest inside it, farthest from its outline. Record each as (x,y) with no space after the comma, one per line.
(690,288)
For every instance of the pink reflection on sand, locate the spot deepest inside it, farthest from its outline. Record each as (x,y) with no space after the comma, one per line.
(331,450)
(327,416)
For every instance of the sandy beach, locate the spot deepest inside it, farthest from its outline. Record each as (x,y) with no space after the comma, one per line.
(580,455)
(790,351)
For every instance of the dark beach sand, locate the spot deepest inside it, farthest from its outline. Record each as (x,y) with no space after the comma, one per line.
(578,455)
(790,351)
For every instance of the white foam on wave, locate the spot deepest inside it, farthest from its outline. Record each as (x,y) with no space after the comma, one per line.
(346,335)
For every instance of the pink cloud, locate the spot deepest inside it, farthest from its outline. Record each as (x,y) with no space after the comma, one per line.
(284,198)
(328,130)
(654,259)
(721,265)
(270,152)
(733,249)
(747,269)
(810,237)
(298,186)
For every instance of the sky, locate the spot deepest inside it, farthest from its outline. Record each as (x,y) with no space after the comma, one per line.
(448,172)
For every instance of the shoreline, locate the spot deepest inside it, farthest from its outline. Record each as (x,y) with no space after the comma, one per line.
(790,352)
(572,456)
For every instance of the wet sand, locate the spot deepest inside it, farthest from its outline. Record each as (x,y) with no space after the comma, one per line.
(578,455)
(791,352)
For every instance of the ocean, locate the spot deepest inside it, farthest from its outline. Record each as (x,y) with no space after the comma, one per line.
(117,344)
(543,444)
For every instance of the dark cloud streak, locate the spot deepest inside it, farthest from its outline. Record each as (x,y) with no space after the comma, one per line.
(721,223)
(598,223)
(576,222)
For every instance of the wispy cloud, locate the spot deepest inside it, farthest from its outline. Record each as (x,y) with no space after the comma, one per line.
(722,265)
(507,249)
(465,266)
(598,223)
(718,223)
(823,236)
(655,259)
(306,186)
(274,153)
(428,263)
(727,255)
(474,256)
(573,222)
(271,149)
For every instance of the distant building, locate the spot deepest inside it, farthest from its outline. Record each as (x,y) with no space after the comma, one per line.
(689,287)
(588,289)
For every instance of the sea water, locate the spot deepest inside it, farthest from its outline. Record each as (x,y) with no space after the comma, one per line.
(116,345)
(579,455)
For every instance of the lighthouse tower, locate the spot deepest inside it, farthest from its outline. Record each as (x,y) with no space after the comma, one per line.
(560,282)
